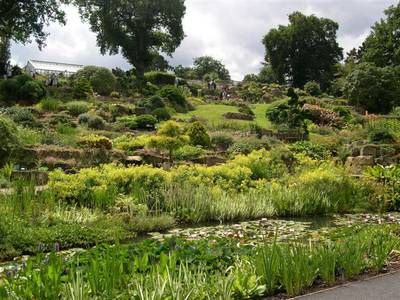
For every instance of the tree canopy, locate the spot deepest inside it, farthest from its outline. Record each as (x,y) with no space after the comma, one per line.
(382,46)
(207,65)
(139,29)
(304,50)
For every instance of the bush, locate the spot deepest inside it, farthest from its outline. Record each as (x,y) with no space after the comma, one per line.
(115,95)
(310,149)
(76,108)
(52,105)
(146,122)
(21,115)
(160,78)
(252,93)
(245,109)
(161,114)
(248,145)
(22,87)
(380,134)
(222,141)
(373,89)
(10,141)
(82,89)
(175,96)
(198,135)
(344,112)
(92,121)
(188,152)
(95,141)
(128,122)
(152,103)
(322,116)
(312,88)
(101,79)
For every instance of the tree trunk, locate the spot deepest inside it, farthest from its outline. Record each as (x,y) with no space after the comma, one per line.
(4,55)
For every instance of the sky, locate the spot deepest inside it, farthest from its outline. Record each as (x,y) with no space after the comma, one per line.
(228,30)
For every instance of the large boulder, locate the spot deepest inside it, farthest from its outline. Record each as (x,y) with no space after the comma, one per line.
(359,163)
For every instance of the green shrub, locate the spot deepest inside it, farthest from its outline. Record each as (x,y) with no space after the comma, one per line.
(222,140)
(10,141)
(101,79)
(188,152)
(175,96)
(396,111)
(48,104)
(115,95)
(95,141)
(310,149)
(128,122)
(146,122)
(313,88)
(161,114)
(22,87)
(251,92)
(160,78)
(82,89)
(344,112)
(22,115)
(76,108)
(248,145)
(245,109)
(152,103)
(198,135)
(380,135)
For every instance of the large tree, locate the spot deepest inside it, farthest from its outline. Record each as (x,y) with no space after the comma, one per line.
(139,29)
(206,65)
(24,19)
(382,46)
(304,50)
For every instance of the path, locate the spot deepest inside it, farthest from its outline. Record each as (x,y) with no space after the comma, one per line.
(384,287)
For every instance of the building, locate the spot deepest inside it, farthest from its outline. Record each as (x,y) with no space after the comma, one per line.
(48,68)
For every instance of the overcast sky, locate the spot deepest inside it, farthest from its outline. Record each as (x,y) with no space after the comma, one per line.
(229,30)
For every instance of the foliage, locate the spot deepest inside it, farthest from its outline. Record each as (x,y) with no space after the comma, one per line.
(206,65)
(146,122)
(95,141)
(115,95)
(382,45)
(10,141)
(290,114)
(304,50)
(128,122)
(160,78)
(251,93)
(198,135)
(119,27)
(322,116)
(188,152)
(92,121)
(152,103)
(372,88)
(161,114)
(222,141)
(76,108)
(175,96)
(21,115)
(82,88)
(50,104)
(102,80)
(22,87)
(245,109)
(312,88)
(380,134)
(310,149)
(248,145)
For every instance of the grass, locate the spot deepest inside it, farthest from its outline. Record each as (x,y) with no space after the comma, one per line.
(213,113)
(217,269)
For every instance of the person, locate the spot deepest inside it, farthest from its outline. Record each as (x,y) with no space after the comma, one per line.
(210,85)
(213,85)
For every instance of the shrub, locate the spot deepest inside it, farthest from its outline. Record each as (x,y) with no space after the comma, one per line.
(96,122)
(82,89)
(344,112)
(161,114)
(160,78)
(128,122)
(101,79)
(372,88)
(21,115)
(95,141)
(146,122)
(251,93)
(130,143)
(76,108)
(50,105)
(198,135)
(10,141)
(245,109)
(222,141)
(152,103)
(238,116)
(22,87)
(188,152)
(396,111)
(380,135)
(322,116)
(248,145)
(115,95)
(310,149)
(175,96)
(312,88)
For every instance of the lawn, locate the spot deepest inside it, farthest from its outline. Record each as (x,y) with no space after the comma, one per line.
(213,113)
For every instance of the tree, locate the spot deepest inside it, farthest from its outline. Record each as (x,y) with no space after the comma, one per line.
(205,65)
(139,29)
(21,20)
(159,63)
(4,55)
(290,114)
(373,88)
(101,79)
(382,46)
(304,50)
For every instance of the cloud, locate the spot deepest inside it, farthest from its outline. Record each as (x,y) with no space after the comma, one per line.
(225,29)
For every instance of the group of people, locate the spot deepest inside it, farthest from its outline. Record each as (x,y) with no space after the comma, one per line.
(212,86)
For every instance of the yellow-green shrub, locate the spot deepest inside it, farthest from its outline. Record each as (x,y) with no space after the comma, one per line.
(95,141)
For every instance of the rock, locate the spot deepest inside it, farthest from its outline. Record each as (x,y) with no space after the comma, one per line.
(359,163)
(370,150)
(277,93)
(133,160)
